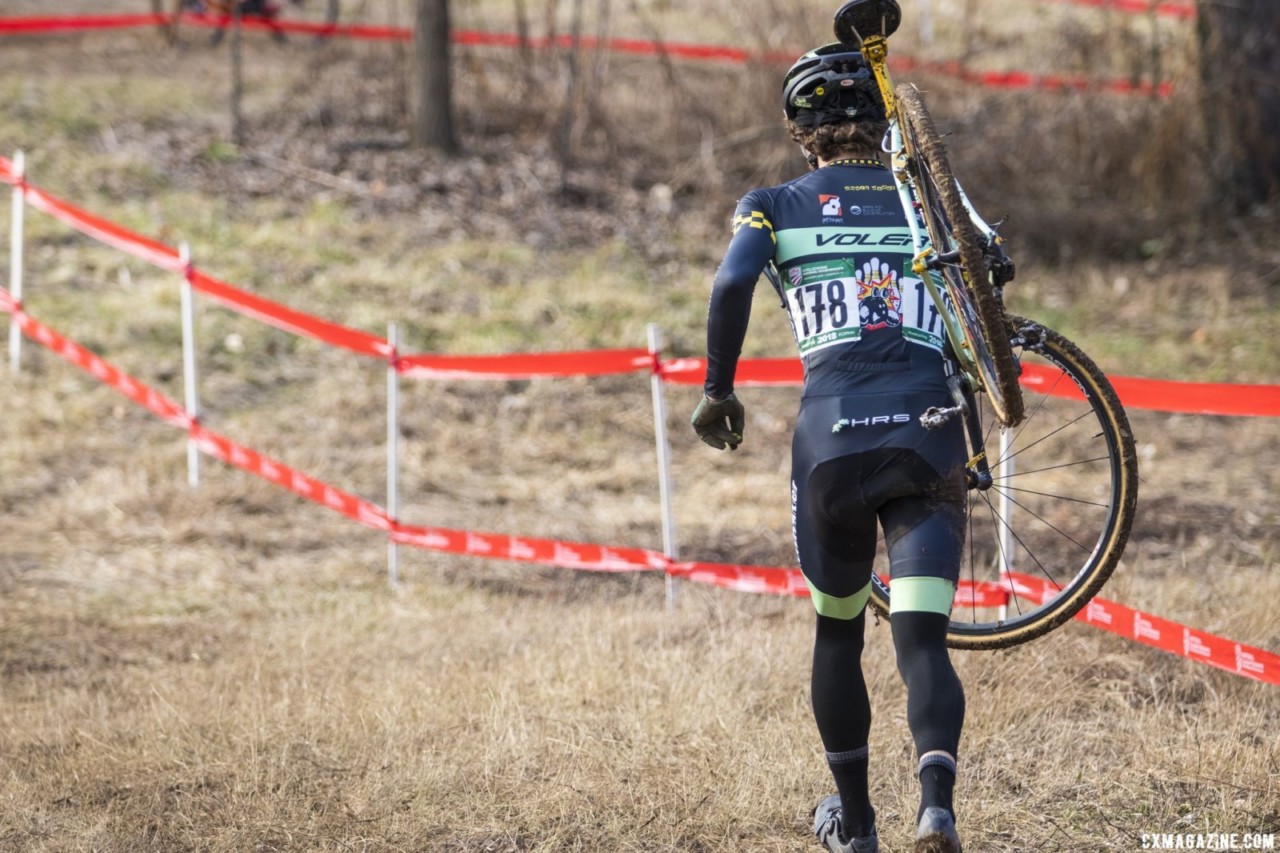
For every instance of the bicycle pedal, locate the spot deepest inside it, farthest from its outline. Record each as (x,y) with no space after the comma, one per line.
(935,417)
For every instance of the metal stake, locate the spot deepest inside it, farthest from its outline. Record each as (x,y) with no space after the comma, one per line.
(669,546)
(189,365)
(1004,506)
(15,258)
(393,443)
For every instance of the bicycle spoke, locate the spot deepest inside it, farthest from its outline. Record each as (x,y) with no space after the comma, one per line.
(1056,497)
(1059,504)
(1005,560)
(973,599)
(1050,468)
(1069,423)
(1030,554)
(1040,404)
(1064,534)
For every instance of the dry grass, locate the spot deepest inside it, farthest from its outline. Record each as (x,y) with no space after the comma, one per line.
(224,669)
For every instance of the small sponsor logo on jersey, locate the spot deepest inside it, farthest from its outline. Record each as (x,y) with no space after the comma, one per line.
(830,206)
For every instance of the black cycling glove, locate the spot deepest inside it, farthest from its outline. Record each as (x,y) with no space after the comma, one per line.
(709,422)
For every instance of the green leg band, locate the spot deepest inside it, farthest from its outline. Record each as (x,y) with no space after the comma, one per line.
(846,608)
(927,595)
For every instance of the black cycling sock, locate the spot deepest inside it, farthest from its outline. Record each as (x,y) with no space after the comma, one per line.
(842,711)
(849,769)
(935,700)
(937,781)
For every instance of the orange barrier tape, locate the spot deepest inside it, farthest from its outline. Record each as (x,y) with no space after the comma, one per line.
(678,50)
(66,23)
(549,552)
(526,366)
(287,319)
(1030,80)
(760,579)
(1243,660)
(254,22)
(316,491)
(1195,398)
(1141,7)
(142,394)
(1163,634)
(113,235)
(1202,398)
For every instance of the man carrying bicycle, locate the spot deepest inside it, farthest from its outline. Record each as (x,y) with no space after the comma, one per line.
(838,249)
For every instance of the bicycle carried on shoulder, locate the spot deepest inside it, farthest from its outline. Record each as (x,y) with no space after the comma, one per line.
(1054,500)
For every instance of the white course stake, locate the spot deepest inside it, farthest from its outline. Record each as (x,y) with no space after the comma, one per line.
(669,546)
(393,444)
(1005,506)
(189,363)
(15,259)
(925,11)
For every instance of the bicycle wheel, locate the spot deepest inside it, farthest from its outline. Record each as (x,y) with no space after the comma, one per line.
(1049,532)
(978,308)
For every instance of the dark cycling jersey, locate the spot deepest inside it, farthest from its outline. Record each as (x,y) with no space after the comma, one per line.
(840,243)
(872,344)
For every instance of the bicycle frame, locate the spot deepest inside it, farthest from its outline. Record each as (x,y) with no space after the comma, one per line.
(926,260)
(875,49)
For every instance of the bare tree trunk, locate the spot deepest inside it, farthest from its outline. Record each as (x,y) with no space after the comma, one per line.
(432,80)
(1240,72)
(564,133)
(237,77)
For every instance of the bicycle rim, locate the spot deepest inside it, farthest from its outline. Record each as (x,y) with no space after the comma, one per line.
(977,307)
(1059,512)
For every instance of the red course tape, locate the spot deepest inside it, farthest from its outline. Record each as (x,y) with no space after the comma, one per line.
(103,231)
(1196,398)
(677,50)
(287,319)
(1140,7)
(1163,634)
(1160,633)
(1243,660)
(526,366)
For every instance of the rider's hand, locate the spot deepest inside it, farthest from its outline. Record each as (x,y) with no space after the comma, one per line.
(709,422)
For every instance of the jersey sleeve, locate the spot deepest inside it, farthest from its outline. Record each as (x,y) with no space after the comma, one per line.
(750,249)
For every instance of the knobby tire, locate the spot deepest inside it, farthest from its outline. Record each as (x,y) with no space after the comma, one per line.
(950,227)
(1077,452)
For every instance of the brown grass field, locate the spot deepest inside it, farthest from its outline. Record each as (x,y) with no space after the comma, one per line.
(226,668)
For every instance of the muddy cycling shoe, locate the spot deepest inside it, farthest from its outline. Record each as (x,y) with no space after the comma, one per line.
(826,825)
(936,832)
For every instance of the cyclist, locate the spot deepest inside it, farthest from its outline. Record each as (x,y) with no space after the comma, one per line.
(837,245)
(267,10)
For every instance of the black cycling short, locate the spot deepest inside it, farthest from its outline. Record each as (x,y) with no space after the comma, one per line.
(859,458)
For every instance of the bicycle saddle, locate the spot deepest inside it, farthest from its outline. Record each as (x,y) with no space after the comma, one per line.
(857,19)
